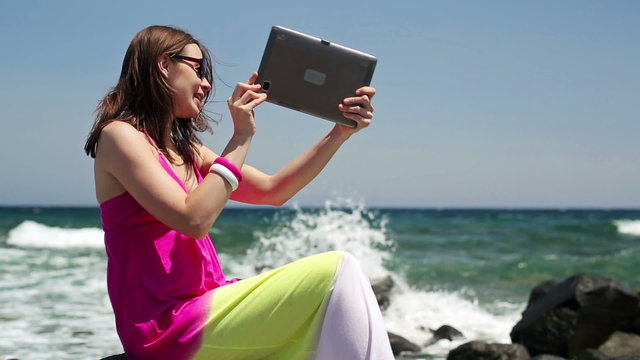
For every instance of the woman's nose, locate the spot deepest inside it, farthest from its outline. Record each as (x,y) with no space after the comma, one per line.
(205,84)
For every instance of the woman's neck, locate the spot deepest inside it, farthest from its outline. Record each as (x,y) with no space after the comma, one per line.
(168,139)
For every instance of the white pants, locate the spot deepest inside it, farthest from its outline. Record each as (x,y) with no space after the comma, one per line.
(353,328)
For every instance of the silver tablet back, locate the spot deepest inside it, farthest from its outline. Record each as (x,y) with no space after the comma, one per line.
(312,75)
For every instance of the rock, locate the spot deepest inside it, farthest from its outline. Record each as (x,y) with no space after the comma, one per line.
(116,357)
(576,314)
(550,334)
(636,325)
(400,344)
(591,354)
(444,332)
(260,268)
(382,289)
(628,357)
(541,290)
(547,357)
(621,344)
(447,332)
(479,350)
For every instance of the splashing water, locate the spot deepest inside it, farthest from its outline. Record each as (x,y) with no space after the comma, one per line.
(628,227)
(350,228)
(32,234)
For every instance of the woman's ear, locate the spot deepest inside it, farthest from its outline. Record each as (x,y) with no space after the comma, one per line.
(164,62)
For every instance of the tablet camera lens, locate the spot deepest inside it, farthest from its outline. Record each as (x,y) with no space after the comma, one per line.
(266,85)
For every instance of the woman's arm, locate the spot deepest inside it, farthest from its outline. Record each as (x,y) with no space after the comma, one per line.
(260,188)
(125,156)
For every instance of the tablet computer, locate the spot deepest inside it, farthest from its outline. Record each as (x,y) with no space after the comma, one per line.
(312,75)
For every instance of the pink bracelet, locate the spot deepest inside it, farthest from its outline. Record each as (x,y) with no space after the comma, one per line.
(229,165)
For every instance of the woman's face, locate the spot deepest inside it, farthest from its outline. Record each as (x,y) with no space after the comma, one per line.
(189,89)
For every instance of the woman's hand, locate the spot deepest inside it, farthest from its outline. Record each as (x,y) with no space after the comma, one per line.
(244,99)
(357,108)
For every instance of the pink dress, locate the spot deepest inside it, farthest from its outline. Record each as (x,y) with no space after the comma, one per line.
(157,277)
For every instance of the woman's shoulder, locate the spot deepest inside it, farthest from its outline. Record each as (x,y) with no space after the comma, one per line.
(122,135)
(122,131)
(119,127)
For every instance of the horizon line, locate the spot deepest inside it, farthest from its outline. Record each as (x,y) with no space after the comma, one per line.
(377,207)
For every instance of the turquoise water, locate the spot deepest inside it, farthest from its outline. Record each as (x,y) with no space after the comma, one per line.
(472,269)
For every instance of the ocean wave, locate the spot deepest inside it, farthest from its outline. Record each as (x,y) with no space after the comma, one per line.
(415,313)
(628,227)
(345,225)
(35,235)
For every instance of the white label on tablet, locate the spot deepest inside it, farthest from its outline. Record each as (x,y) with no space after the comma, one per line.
(315,77)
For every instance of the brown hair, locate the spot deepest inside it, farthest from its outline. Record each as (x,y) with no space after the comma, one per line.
(143,98)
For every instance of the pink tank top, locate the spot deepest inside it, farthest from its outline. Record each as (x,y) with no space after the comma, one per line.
(159,280)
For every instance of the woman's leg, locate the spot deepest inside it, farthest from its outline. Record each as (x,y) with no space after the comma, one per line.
(314,306)
(353,327)
(275,315)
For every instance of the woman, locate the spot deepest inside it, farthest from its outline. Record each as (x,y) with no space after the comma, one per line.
(160,191)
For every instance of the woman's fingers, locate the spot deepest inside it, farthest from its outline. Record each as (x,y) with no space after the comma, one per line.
(366,113)
(362,101)
(248,100)
(366,90)
(365,94)
(252,78)
(359,108)
(242,88)
(251,99)
(362,122)
(242,102)
(257,101)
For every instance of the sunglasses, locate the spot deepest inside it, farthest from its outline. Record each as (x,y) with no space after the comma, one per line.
(200,70)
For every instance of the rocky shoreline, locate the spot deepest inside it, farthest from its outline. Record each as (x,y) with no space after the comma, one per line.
(584,317)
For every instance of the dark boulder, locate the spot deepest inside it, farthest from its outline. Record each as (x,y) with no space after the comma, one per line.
(578,313)
(541,290)
(382,289)
(400,344)
(636,325)
(447,332)
(591,354)
(444,332)
(621,344)
(479,350)
(549,334)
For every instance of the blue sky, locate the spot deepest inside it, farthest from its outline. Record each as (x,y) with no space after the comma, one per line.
(480,104)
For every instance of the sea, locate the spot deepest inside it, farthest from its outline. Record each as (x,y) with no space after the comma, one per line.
(471,269)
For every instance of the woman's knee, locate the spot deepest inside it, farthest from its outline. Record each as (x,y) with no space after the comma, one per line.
(322,267)
(348,261)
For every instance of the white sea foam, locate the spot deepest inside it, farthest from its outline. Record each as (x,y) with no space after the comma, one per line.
(32,234)
(353,229)
(363,233)
(413,313)
(54,304)
(629,227)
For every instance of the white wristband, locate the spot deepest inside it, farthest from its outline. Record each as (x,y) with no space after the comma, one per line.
(226,174)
